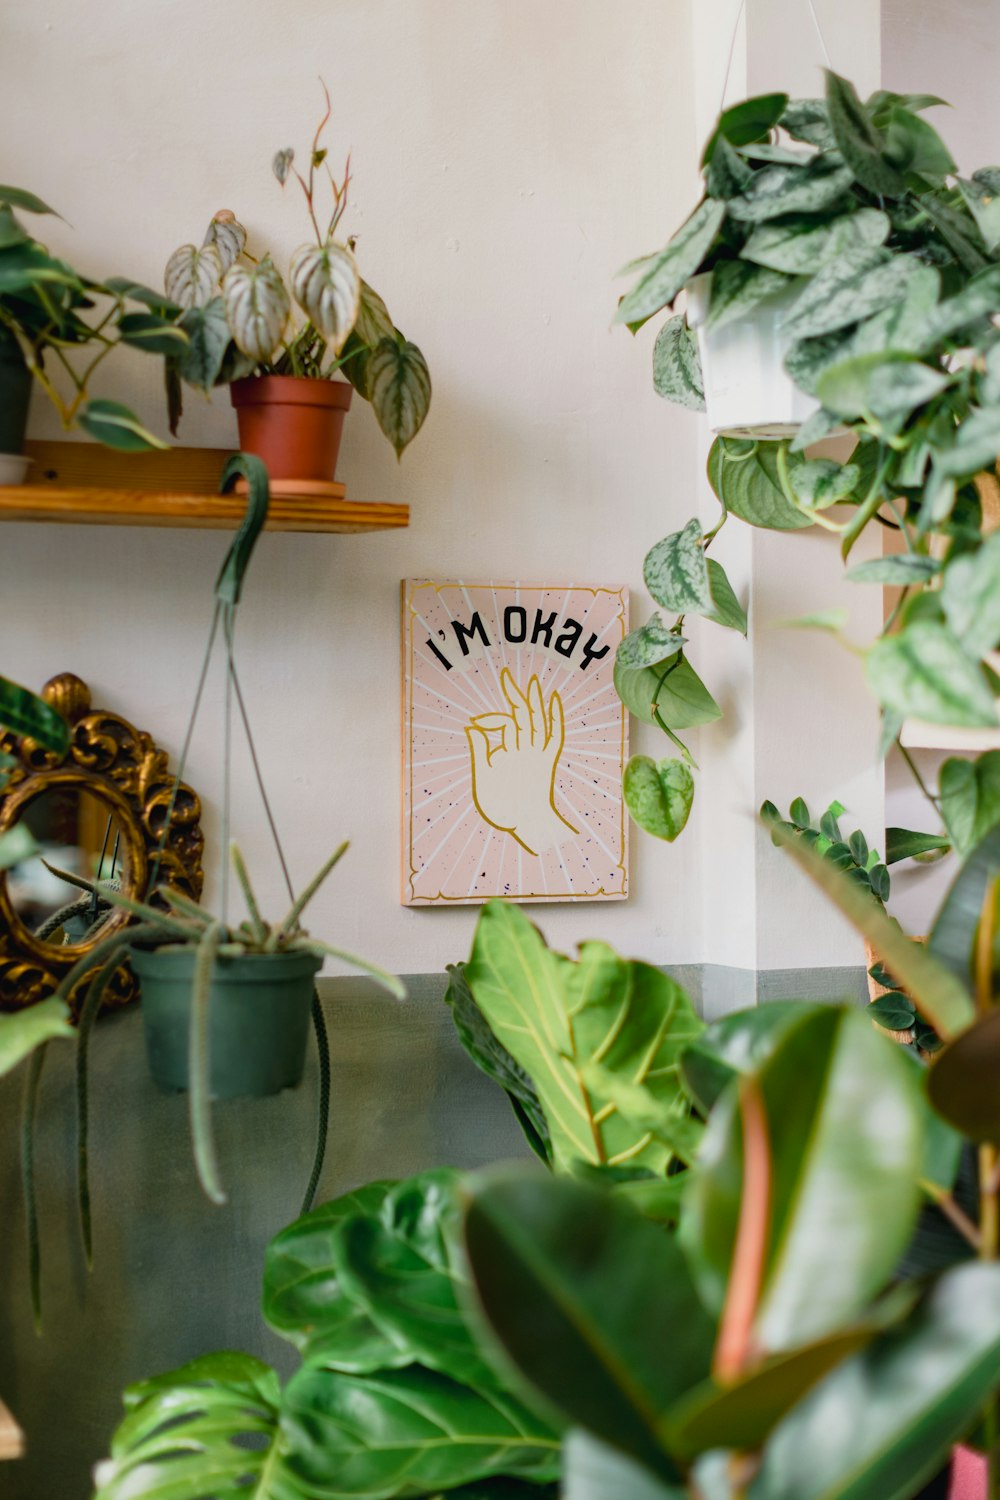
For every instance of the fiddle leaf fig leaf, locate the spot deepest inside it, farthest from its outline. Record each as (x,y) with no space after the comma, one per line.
(649,644)
(257,308)
(676,572)
(327,286)
(228,236)
(862,146)
(193,276)
(666,273)
(799,246)
(677,366)
(923,672)
(399,388)
(737,288)
(658,796)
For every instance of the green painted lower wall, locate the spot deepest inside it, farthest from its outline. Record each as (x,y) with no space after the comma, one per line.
(173,1276)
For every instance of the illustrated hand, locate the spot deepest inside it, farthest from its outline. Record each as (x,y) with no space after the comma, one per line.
(515,757)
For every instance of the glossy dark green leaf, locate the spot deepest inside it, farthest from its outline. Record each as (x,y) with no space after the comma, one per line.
(970,798)
(593,1470)
(798,244)
(675,571)
(555,1016)
(548,1259)
(26,714)
(658,795)
(735,1045)
(25,1030)
(26,266)
(209,1428)
(912,145)
(493,1059)
(673,689)
(726,608)
(903,1402)
(893,1012)
(745,478)
(677,373)
(862,146)
(666,273)
(832,1165)
(738,287)
(904,843)
(923,672)
(406,1433)
(134,291)
(648,645)
(749,120)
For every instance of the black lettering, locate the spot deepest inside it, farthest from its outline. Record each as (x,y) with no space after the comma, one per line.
(465,633)
(566,643)
(440,655)
(589,654)
(543,627)
(509,612)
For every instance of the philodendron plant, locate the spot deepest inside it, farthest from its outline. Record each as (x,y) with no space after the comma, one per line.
(66,324)
(241,319)
(887,264)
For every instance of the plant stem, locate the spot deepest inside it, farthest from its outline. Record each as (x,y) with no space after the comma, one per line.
(917,776)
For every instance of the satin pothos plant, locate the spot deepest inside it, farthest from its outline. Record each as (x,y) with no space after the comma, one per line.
(886,262)
(243,317)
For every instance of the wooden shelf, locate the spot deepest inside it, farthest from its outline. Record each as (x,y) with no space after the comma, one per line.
(86,484)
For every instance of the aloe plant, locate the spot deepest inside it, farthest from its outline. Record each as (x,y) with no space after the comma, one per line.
(241,319)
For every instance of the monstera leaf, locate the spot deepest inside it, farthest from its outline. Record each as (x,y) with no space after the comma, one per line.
(192,276)
(557,1018)
(399,389)
(257,307)
(327,286)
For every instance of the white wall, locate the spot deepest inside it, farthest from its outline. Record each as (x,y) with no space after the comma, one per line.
(509,156)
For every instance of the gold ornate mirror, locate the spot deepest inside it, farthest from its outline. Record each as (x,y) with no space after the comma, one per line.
(105,813)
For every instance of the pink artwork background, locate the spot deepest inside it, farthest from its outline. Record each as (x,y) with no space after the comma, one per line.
(450,854)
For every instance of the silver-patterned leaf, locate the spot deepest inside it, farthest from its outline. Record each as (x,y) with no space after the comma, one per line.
(785,189)
(676,365)
(399,389)
(327,286)
(676,573)
(738,287)
(192,276)
(257,307)
(666,273)
(373,321)
(799,245)
(281,163)
(228,236)
(649,644)
(923,672)
(855,285)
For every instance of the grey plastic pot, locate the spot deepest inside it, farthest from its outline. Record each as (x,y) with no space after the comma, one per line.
(258,1019)
(15,393)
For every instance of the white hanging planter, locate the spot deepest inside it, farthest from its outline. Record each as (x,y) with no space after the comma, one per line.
(748,392)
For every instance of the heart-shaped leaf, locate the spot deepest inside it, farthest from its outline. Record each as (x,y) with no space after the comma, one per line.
(209,338)
(745,478)
(257,308)
(228,236)
(192,276)
(658,796)
(676,365)
(675,571)
(117,427)
(671,689)
(648,644)
(666,273)
(970,798)
(399,388)
(327,286)
(923,671)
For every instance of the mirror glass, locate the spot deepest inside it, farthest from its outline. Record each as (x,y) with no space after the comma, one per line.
(80,837)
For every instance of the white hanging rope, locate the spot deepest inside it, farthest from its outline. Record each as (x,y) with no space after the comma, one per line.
(732,45)
(819,32)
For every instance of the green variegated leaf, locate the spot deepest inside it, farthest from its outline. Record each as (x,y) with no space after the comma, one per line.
(782,189)
(649,644)
(677,366)
(556,1016)
(737,288)
(822,424)
(675,571)
(257,308)
(855,285)
(975,446)
(727,174)
(666,273)
(672,689)
(726,608)
(924,673)
(960,315)
(228,236)
(809,359)
(658,796)
(192,276)
(209,338)
(745,478)
(887,386)
(117,427)
(907,569)
(970,798)
(982,195)
(327,286)
(807,120)
(903,326)
(799,245)
(912,145)
(820,482)
(970,596)
(859,142)
(399,388)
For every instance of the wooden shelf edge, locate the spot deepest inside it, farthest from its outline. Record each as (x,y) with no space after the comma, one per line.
(94,507)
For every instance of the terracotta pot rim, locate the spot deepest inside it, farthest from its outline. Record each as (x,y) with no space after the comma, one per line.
(290,390)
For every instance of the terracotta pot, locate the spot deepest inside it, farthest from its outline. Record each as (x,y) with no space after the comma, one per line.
(293,424)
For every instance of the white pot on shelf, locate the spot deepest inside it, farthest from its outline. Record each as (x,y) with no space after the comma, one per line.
(13,468)
(748,391)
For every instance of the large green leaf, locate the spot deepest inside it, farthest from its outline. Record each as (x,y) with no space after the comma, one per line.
(496,1062)
(923,672)
(556,1017)
(970,596)
(594,1305)
(648,645)
(748,121)
(399,389)
(116,426)
(726,608)
(970,798)
(675,571)
(855,285)
(209,337)
(888,386)
(799,244)
(153,333)
(674,687)
(406,1433)
(735,1045)
(738,287)
(24,713)
(843,1194)
(884,1422)
(745,478)
(207,1429)
(327,286)
(257,308)
(593,1470)
(782,188)
(658,796)
(676,365)
(860,143)
(666,273)
(27,1029)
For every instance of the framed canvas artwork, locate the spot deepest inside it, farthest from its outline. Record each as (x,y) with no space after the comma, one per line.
(514,743)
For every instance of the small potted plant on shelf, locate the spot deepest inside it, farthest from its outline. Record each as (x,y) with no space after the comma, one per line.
(57,326)
(280,351)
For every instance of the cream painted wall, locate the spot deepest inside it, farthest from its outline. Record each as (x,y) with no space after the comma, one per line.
(508,157)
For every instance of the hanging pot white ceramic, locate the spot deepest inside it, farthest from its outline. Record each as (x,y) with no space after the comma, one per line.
(748,392)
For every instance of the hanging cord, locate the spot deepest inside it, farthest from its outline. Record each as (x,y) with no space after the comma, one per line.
(819,33)
(732,45)
(227,770)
